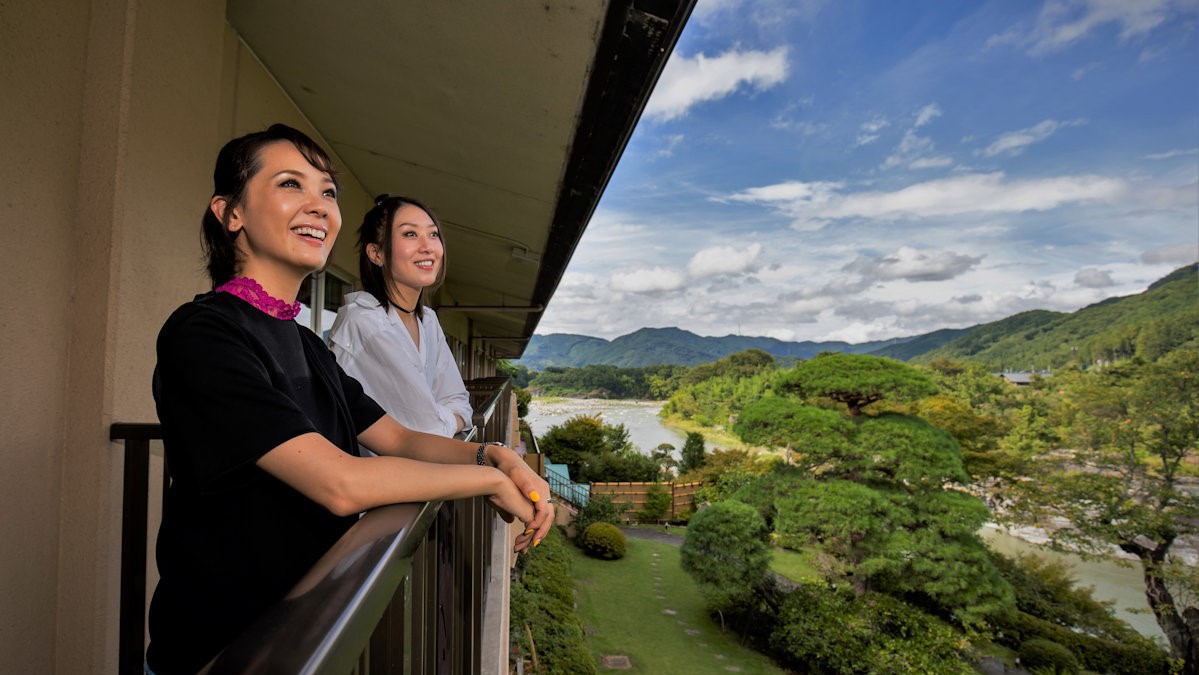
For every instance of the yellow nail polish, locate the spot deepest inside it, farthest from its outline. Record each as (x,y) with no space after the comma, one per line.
(534,496)
(529,531)
(536,543)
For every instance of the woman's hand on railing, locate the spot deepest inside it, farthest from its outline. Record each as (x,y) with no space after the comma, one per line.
(535,489)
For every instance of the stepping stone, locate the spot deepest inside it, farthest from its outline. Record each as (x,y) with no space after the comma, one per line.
(659,597)
(735,669)
(691,631)
(615,662)
(671,612)
(719,656)
(681,622)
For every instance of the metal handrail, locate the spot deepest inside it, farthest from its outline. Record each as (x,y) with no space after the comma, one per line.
(331,621)
(325,622)
(563,488)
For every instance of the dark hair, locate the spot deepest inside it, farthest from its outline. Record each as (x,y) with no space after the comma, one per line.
(376,229)
(236,164)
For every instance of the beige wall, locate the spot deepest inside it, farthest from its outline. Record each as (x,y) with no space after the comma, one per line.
(112,114)
(41,74)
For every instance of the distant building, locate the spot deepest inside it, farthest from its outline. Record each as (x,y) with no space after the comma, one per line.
(1023,378)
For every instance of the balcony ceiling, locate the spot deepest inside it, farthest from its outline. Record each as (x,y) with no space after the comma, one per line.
(507,117)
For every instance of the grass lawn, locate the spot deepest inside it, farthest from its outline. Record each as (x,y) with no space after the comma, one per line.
(644,606)
(794,565)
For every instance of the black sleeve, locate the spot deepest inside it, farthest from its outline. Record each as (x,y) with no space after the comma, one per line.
(217,401)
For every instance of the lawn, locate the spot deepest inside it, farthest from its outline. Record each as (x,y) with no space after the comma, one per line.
(645,607)
(793,565)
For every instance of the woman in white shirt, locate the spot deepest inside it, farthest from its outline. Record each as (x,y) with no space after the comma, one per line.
(385,337)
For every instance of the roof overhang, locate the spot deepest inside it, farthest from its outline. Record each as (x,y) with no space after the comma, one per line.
(507,118)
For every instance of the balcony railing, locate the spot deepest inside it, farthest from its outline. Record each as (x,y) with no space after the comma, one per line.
(410,588)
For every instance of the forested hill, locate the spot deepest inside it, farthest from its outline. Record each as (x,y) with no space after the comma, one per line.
(1149,324)
(667,346)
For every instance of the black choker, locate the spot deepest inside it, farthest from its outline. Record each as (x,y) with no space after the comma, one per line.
(406,311)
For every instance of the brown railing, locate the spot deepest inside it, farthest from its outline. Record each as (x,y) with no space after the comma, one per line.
(410,588)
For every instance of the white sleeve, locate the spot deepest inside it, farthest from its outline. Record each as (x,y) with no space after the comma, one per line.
(446,382)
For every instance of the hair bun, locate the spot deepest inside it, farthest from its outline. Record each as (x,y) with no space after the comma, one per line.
(381,198)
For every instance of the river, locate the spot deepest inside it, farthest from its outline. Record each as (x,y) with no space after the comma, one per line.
(1109,579)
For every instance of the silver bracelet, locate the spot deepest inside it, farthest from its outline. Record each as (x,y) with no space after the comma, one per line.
(481,452)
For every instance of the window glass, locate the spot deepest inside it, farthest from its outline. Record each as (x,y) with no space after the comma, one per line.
(325,290)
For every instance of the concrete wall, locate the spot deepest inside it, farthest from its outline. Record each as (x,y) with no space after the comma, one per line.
(112,114)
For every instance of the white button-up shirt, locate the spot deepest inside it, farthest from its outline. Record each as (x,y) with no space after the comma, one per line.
(420,387)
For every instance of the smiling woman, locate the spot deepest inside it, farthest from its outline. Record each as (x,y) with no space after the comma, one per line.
(401,356)
(262,429)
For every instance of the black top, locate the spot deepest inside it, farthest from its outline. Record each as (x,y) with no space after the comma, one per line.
(231,384)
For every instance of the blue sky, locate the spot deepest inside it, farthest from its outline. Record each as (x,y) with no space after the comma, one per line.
(844,170)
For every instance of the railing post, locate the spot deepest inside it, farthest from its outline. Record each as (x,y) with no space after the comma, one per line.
(134,524)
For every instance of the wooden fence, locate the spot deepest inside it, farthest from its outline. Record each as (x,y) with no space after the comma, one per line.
(633,495)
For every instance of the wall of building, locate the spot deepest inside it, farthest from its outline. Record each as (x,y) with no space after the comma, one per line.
(42,63)
(112,115)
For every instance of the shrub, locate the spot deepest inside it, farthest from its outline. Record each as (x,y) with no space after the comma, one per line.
(727,552)
(1046,655)
(821,630)
(542,604)
(599,509)
(657,504)
(604,540)
(1136,655)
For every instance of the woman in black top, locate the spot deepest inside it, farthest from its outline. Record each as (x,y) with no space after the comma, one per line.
(260,425)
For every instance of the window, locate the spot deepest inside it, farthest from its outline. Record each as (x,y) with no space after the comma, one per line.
(326,290)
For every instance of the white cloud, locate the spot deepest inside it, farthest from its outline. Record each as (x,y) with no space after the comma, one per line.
(723,260)
(911,145)
(788,191)
(868,132)
(784,334)
(1014,142)
(672,141)
(651,280)
(913,265)
(1081,71)
(1170,154)
(957,195)
(931,163)
(927,114)
(1174,254)
(688,81)
(1094,278)
(1063,22)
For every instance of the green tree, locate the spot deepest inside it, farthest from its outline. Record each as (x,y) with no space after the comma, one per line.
(664,456)
(1134,426)
(856,380)
(727,552)
(693,455)
(742,364)
(775,421)
(574,441)
(523,398)
(879,500)
(657,504)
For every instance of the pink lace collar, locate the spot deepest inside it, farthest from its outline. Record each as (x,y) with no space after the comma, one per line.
(249,290)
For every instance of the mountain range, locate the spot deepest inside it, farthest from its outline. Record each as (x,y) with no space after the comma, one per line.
(1163,317)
